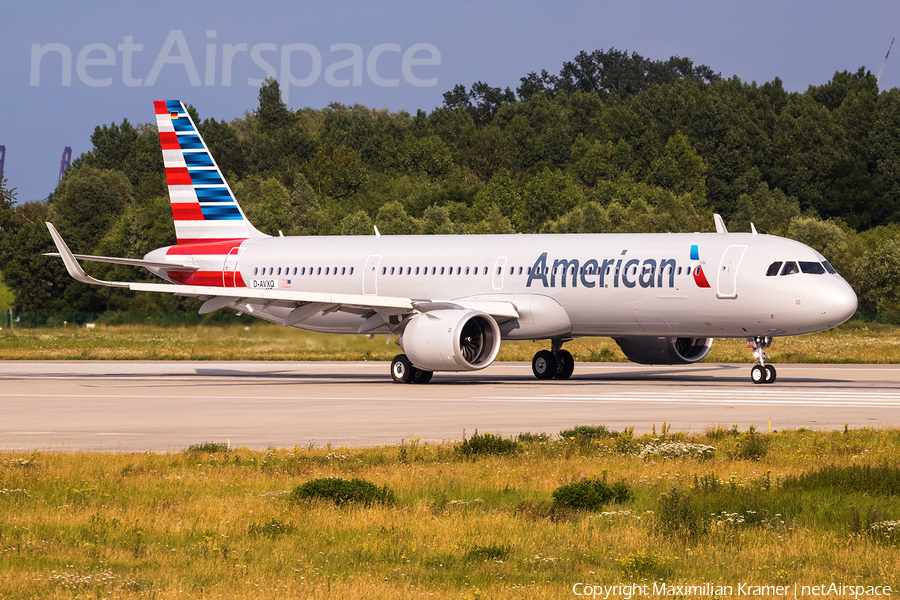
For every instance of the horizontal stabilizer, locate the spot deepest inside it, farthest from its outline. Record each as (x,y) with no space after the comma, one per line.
(132,262)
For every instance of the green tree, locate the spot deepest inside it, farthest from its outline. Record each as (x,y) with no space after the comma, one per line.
(590,217)
(592,163)
(769,211)
(680,169)
(271,211)
(488,152)
(436,221)
(879,276)
(494,222)
(338,172)
(7,208)
(272,113)
(838,244)
(393,220)
(428,155)
(549,194)
(86,204)
(357,223)
(500,192)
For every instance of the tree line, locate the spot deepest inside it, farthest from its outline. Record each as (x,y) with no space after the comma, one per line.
(614,143)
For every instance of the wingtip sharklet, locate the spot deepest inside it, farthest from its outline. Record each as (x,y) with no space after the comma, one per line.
(720,224)
(72,265)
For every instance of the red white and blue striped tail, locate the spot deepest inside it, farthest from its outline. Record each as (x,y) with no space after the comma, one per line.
(203,206)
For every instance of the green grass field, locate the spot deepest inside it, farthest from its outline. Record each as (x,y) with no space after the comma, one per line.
(853,342)
(484,520)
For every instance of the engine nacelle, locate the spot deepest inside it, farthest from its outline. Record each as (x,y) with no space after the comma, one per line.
(451,340)
(664,350)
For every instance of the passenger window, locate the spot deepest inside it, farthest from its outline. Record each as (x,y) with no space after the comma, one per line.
(829,268)
(392,270)
(383,270)
(351,270)
(811,268)
(343,270)
(442,270)
(408,270)
(458,270)
(417,270)
(520,270)
(773,269)
(255,270)
(512,270)
(679,270)
(327,269)
(790,268)
(319,271)
(467,270)
(303,271)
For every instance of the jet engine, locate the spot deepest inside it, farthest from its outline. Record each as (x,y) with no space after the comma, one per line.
(664,350)
(451,340)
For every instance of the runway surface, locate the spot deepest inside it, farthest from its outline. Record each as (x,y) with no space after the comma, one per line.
(166,406)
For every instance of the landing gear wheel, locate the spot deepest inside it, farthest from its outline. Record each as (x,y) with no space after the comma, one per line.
(770,374)
(401,369)
(565,364)
(420,376)
(544,365)
(758,374)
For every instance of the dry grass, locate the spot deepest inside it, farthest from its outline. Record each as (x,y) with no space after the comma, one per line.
(194,524)
(855,342)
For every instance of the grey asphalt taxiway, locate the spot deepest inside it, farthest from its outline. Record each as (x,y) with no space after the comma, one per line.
(166,406)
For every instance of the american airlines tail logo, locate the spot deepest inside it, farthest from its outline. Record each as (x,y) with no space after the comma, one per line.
(697,267)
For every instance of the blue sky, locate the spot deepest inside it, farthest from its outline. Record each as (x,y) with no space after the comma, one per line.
(393,54)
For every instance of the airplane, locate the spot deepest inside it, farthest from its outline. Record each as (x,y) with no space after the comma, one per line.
(451,299)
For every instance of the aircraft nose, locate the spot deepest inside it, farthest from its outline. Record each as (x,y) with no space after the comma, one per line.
(842,302)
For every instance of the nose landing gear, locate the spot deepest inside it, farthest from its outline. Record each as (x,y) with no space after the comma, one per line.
(554,363)
(761,372)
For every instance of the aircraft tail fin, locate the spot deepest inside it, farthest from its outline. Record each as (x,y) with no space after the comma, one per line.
(203,205)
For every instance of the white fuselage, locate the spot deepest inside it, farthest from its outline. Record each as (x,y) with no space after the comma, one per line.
(563,286)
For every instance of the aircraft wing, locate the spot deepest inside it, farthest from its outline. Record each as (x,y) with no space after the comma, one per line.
(304,304)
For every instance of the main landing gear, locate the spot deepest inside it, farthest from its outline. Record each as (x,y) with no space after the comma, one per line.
(554,363)
(761,372)
(402,371)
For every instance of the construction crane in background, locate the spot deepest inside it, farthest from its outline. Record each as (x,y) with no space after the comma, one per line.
(65,162)
(881,70)
(2,159)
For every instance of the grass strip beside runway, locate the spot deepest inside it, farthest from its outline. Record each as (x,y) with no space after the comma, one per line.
(854,342)
(481,519)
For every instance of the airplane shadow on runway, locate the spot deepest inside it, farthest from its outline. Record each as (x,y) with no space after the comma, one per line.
(712,374)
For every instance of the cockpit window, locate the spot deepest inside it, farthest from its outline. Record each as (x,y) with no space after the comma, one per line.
(812,268)
(773,269)
(829,268)
(790,267)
